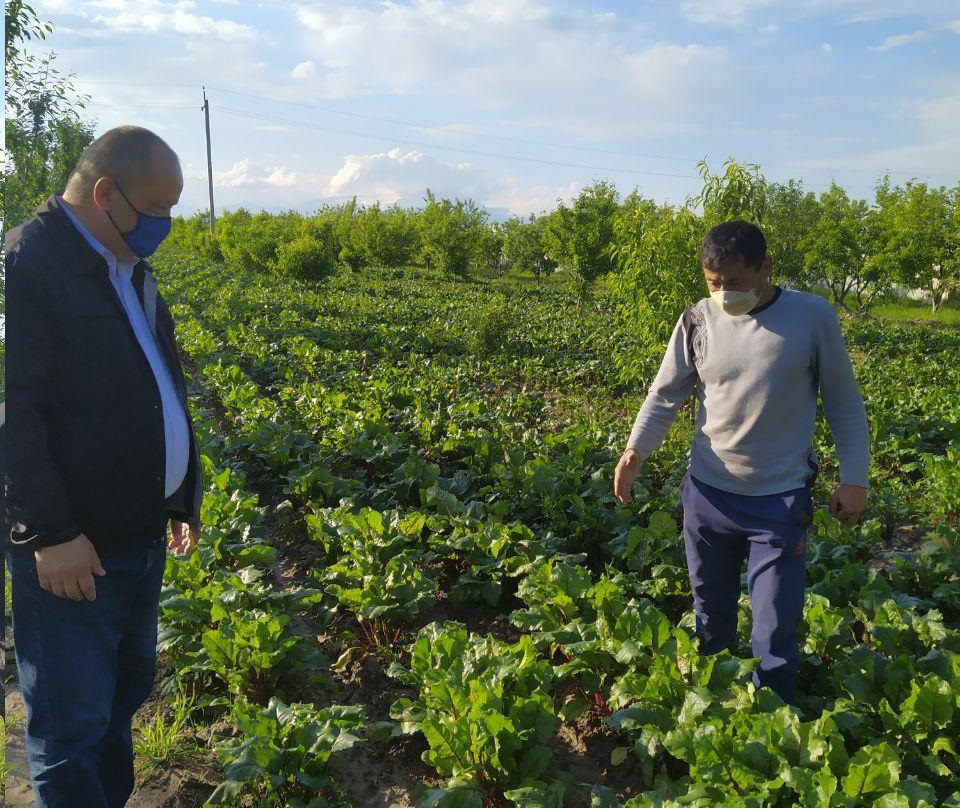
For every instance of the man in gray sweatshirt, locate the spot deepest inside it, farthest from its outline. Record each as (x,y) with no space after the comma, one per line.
(757,357)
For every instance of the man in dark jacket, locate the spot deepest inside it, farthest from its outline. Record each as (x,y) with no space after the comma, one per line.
(100,457)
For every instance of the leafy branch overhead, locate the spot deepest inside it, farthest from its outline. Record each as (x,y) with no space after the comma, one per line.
(44,128)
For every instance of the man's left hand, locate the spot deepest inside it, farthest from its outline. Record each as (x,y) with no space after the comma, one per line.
(183,538)
(848,502)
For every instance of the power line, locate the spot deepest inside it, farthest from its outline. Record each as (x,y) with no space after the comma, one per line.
(398,122)
(457,149)
(133,84)
(833,170)
(138,104)
(505,138)
(454,129)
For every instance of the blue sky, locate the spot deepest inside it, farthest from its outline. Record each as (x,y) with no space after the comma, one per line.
(516,103)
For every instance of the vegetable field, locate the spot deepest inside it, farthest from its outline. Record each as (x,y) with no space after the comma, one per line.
(415,587)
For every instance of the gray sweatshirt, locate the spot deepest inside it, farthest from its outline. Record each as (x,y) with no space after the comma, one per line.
(757,377)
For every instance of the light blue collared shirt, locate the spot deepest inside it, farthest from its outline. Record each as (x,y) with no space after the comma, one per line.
(176,430)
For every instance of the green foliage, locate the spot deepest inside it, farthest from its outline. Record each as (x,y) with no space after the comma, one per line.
(286,244)
(8,723)
(282,753)
(922,237)
(581,237)
(554,591)
(739,193)
(452,234)
(914,311)
(660,276)
(222,623)
(942,483)
(166,738)
(380,571)
(491,329)
(658,251)
(484,710)
(525,248)
(304,257)
(232,229)
(790,215)
(655,552)
(345,228)
(841,249)
(192,237)
(377,236)
(488,255)
(485,479)
(251,651)
(44,131)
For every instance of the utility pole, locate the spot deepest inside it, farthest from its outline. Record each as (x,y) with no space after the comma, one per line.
(206,120)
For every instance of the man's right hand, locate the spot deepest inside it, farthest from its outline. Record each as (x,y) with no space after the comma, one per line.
(67,570)
(626,475)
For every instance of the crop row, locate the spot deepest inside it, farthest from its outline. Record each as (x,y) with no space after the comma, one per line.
(429,472)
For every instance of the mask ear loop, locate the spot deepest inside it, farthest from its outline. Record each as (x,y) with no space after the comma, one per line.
(139,214)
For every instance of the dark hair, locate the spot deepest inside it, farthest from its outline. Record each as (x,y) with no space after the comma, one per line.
(730,239)
(125,153)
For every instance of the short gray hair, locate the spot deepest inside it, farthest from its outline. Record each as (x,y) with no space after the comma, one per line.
(125,153)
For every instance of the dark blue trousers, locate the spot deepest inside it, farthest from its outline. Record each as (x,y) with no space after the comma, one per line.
(720,529)
(85,668)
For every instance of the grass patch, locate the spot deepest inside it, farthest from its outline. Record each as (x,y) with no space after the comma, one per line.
(167,737)
(8,724)
(903,311)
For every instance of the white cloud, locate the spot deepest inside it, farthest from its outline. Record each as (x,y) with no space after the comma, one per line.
(304,70)
(651,69)
(865,11)
(522,199)
(931,150)
(54,7)
(567,73)
(245,173)
(396,175)
(404,176)
(899,40)
(505,11)
(154,17)
(872,12)
(281,178)
(729,13)
(939,115)
(737,13)
(923,161)
(640,81)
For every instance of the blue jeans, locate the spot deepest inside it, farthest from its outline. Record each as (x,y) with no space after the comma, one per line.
(720,529)
(85,667)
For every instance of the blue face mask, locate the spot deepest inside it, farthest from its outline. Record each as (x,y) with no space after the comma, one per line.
(149,231)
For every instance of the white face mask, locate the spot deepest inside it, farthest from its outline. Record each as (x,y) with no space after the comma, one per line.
(736,303)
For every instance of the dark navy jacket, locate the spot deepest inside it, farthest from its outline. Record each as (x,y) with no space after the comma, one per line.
(84,434)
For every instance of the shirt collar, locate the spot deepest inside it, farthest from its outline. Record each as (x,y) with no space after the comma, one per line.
(115,266)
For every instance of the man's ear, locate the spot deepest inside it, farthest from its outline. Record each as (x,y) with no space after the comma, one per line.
(766,268)
(103,190)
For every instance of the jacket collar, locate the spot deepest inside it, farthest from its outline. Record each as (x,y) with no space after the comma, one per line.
(77,252)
